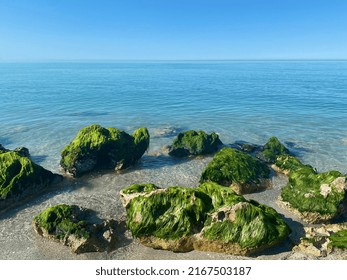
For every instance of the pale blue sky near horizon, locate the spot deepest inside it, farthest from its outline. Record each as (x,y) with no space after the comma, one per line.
(172,29)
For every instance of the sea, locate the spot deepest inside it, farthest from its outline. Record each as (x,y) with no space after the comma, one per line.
(43,105)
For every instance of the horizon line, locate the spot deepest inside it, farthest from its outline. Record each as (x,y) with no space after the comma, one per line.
(163,60)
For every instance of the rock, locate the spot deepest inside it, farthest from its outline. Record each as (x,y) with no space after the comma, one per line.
(272,149)
(208,218)
(166,131)
(20,177)
(323,240)
(193,143)
(96,147)
(248,148)
(69,225)
(286,164)
(22,151)
(243,172)
(315,197)
(2,149)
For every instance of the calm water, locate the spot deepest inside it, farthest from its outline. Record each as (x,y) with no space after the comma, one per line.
(43,105)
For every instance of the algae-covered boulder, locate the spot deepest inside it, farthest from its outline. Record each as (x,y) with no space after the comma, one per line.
(20,177)
(272,149)
(70,225)
(97,147)
(193,143)
(208,218)
(243,172)
(315,197)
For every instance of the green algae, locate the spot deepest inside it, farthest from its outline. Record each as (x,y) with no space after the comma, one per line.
(317,196)
(291,164)
(62,221)
(194,143)
(178,212)
(338,239)
(19,176)
(220,195)
(255,225)
(96,146)
(272,149)
(172,214)
(230,166)
(303,192)
(140,188)
(141,141)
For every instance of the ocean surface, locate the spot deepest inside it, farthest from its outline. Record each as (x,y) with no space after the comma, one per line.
(44,105)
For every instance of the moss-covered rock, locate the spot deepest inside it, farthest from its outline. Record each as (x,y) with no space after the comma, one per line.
(193,143)
(243,172)
(315,197)
(272,149)
(208,218)
(69,225)
(98,147)
(20,177)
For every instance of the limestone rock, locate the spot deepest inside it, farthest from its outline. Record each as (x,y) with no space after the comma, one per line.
(272,149)
(193,143)
(323,240)
(96,147)
(208,218)
(20,177)
(243,172)
(69,225)
(316,198)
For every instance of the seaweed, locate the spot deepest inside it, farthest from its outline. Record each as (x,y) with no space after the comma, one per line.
(194,143)
(99,147)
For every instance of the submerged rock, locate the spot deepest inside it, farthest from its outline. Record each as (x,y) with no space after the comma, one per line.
(20,177)
(208,218)
(242,172)
(193,143)
(272,149)
(97,147)
(69,225)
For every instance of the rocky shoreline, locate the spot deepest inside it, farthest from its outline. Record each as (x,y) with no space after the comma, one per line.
(271,154)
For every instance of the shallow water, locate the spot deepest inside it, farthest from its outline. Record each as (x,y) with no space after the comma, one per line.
(44,105)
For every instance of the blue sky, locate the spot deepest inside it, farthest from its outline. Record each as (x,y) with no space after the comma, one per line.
(172,29)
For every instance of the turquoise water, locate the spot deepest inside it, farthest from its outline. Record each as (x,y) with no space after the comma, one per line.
(303,103)
(43,105)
